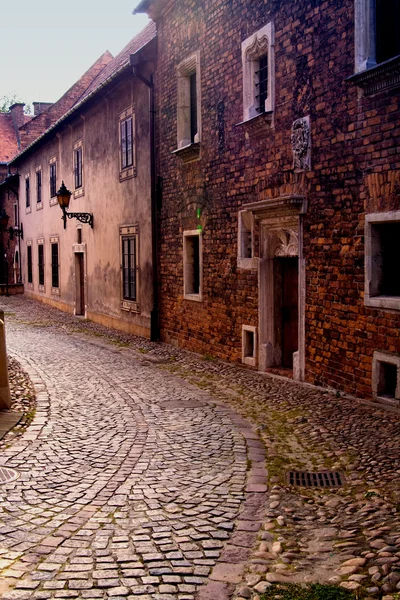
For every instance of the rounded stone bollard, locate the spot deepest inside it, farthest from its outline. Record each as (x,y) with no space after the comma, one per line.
(5,398)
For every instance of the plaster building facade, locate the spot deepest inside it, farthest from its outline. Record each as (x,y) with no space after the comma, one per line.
(278,147)
(95,140)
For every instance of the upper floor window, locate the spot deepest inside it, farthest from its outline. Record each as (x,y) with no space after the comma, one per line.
(39,186)
(53,179)
(27,192)
(258,73)
(127,143)
(377,32)
(189,106)
(78,167)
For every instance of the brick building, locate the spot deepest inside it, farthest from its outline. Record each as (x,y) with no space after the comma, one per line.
(278,147)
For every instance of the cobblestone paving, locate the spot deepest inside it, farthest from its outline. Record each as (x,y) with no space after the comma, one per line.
(349,535)
(130,479)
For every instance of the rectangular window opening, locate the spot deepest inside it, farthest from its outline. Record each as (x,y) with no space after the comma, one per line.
(192,270)
(53,180)
(126,143)
(38,187)
(41,264)
(387,19)
(29,259)
(193,107)
(262,83)
(27,193)
(78,167)
(129,270)
(385,280)
(387,382)
(249,345)
(54,266)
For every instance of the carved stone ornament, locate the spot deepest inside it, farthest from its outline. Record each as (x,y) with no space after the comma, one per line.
(286,242)
(301,144)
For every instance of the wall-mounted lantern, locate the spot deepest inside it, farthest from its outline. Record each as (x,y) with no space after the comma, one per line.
(13,231)
(63,197)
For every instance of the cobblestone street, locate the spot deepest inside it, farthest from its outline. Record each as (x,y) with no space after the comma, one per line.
(143,475)
(130,479)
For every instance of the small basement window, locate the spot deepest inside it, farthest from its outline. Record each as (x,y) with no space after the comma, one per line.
(249,345)
(386,377)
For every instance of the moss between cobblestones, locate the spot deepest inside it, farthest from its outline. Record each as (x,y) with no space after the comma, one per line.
(310,592)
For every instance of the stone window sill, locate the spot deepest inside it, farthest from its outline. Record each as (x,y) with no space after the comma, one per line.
(247,263)
(193,297)
(53,201)
(188,153)
(384,76)
(258,126)
(388,302)
(127,173)
(130,306)
(79,192)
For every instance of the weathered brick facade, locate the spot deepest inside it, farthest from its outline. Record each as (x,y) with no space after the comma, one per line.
(354,170)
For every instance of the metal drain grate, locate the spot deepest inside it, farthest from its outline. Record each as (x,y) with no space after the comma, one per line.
(324,479)
(7,475)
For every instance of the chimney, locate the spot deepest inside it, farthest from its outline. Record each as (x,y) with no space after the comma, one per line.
(17,114)
(39,107)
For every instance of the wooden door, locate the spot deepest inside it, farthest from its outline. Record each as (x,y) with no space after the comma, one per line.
(290,309)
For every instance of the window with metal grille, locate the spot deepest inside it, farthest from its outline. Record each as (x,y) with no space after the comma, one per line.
(129,270)
(78,167)
(126,143)
(29,259)
(262,83)
(38,187)
(41,263)
(54,266)
(193,107)
(387,29)
(53,179)
(27,193)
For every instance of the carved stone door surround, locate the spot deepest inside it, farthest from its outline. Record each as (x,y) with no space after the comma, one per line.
(280,226)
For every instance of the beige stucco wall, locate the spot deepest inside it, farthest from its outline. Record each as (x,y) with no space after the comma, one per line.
(113,204)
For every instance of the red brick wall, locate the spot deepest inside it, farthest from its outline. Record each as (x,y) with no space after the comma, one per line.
(352,138)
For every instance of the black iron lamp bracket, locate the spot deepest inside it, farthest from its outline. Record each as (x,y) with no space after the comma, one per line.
(80,216)
(17,232)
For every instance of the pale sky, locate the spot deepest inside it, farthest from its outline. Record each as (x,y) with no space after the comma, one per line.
(46,45)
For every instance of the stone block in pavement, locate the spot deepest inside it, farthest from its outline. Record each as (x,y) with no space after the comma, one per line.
(228,572)
(214,590)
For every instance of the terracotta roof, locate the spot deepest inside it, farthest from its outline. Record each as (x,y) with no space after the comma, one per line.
(39,124)
(110,67)
(8,138)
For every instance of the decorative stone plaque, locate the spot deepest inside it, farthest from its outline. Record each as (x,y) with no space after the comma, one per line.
(301,144)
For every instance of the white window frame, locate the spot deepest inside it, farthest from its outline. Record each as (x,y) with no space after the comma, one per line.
(185,69)
(391,359)
(251,361)
(253,48)
(380,301)
(187,267)
(246,223)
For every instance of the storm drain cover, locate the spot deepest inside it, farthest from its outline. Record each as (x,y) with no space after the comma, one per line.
(7,475)
(324,479)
